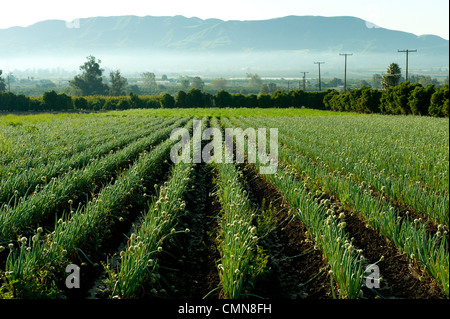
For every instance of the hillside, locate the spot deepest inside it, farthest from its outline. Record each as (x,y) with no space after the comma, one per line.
(291,37)
(180,33)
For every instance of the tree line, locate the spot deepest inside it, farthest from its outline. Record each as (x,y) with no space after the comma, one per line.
(94,95)
(405,98)
(52,101)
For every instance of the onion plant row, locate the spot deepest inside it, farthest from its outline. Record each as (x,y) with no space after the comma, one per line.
(431,203)
(414,149)
(407,234)
(19,183)
(40,265)
(242,259)
(27,146)
(59,192)
(138,265)
(346,262)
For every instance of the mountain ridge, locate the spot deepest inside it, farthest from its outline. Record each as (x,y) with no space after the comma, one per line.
(193,45)
(195,34)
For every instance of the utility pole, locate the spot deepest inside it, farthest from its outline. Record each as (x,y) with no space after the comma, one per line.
(304,80)
(345,72)
(320,82)
(407,52)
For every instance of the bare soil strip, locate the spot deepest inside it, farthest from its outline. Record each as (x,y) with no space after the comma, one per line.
(401,279)
(297,270)
(195,274)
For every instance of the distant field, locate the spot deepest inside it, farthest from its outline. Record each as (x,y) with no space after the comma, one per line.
(200,112)
(355,198)
(227,112)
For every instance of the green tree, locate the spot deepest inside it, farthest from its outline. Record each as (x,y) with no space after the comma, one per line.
(218,84)
(419,99)
(50,100)
(80,103)
(118,84)
(2,83)
(335,82)
(392,76)
(90,82)
(149,80)
(135,101)
(327,100)
(197,83)
(185,83)
(64,102)
(134,89)
(180,99)
(167,101)
(281,99)
(265,101)
(223,99)
(369,100)
(194,98)
(363,83)
(241,100)
(376,81)
(272,87)
(439,103)
(254,81)
(124,104)
(264,89)
(424,80)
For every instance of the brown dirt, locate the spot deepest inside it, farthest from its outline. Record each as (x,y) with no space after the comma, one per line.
(288,273)
(401,279)
(198,275)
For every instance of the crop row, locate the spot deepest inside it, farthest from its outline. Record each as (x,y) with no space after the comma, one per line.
(326,229)
(109,195)
(405,148)
(363,169)
(33,269)
(19,183)
(409,235)
(71,187)
(27,145)
(242,260)
(138,264)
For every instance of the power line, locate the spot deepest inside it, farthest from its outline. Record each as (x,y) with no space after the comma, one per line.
(320,83)
(345,72)
(407,53)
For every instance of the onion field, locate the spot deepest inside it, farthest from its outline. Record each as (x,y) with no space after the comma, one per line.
(93,206)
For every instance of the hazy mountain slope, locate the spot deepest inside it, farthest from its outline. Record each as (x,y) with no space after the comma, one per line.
(193,34)
(192,45)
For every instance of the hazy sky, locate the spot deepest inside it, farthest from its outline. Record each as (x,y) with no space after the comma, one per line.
(415,16)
